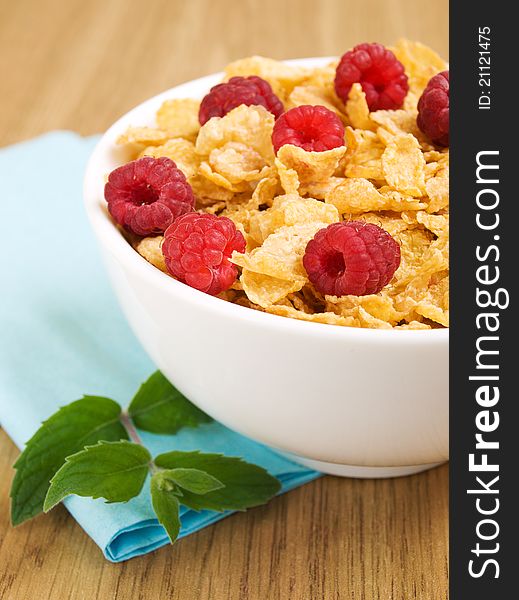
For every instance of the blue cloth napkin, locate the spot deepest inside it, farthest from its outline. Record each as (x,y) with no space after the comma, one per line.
(63,335)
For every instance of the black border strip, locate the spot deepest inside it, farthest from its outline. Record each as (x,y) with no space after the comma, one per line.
(487,133)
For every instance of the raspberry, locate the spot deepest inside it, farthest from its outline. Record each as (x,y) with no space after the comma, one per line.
(239,90)
(197,248)
(313,128)
(354,258)
(433,109)
(146,195)
(379,72)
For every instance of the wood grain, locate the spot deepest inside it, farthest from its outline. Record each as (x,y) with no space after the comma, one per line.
(333,538)
(79,64)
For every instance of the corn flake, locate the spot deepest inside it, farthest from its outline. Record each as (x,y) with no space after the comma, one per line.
(403,165)
(290,209)
(363,157)
(207,192)
(357,195)
(179,117)
(281,253)
(220,180)
(281,76)
(391,222)
(248,125)
(180,151)
(265,192)
(288,177)
(397,121)
(265,290)
(329,318)
(314,95)
(357,108)
(377,309)
(238,163)
(413,325)
(319,189)
(420,64)
(310,167)
(146,136)
(324,77)
(437,188)
(150,249)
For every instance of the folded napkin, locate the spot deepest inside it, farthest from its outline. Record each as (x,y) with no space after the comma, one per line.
(63,335)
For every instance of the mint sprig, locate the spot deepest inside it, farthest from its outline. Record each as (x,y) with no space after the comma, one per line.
(115,471)
(81,423)
(166,505)
(192,480)
(244,485)
(160,408)
(83,449)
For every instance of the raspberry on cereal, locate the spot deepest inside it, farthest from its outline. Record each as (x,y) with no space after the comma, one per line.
(313,128)
(223,97)
(379,72)
(197,248)
(351,258)
(433,109)
(146,195)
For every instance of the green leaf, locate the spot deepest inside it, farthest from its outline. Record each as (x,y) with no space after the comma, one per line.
(193,480)
(81,423)
(160,408)
(165,504)
(115,471)
(246,485)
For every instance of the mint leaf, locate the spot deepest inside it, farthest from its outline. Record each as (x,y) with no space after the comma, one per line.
(165,504)
(193,480)
(160,408)
(246,485)
(115,471)
(81,423)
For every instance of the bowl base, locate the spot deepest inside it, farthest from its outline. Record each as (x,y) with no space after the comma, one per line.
(358,471)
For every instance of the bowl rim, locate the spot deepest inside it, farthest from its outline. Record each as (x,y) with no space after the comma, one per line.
(111,239)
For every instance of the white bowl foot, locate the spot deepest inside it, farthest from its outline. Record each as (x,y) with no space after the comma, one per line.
(359,472)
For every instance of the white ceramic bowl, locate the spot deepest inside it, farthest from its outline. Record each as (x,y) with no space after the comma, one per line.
(355,402)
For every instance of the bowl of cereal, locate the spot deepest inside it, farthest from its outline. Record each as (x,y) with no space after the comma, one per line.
(279,245)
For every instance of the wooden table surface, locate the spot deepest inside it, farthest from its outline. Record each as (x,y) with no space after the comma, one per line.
(79,64)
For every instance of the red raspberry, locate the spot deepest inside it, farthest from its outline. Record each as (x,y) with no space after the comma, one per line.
(239,90)
(197,248)
(433,109)
(354,258)
(145,196)
(314,128)
(379,72)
